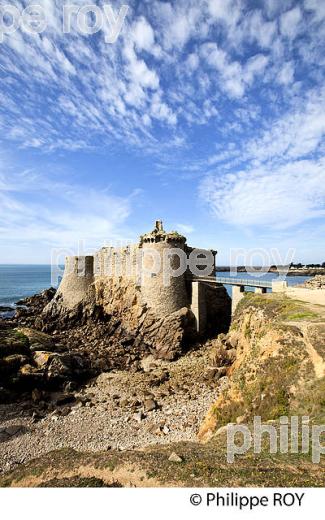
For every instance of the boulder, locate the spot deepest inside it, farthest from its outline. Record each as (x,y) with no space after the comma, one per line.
(12,341)
(149,405)
(42,358)
(37,340)
(63,367)
(11,364)
(27,378)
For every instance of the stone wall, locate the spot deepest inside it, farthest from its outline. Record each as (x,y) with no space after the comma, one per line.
(162,291)
(151,300)
(119,262)
(238,293)
(218,309)
(211,306)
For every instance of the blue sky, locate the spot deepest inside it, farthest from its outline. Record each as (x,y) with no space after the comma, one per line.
(208,114)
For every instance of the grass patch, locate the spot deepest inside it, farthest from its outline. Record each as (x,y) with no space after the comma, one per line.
(275,307)
(13,342)
(311,400)
(20,337)
(302,316)
(202,466)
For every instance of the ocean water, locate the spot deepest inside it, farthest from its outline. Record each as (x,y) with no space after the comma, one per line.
(20,281)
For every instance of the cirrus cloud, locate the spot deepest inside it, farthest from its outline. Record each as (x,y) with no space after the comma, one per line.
(266,197)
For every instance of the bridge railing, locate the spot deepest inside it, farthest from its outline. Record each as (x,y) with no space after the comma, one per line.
(267,284)
(225,280)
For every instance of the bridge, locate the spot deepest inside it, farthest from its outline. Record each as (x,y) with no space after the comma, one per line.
(239,284)
(248,282)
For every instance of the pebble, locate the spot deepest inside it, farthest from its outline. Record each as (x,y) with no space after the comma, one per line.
(149,405)
(175,458)
(102,426)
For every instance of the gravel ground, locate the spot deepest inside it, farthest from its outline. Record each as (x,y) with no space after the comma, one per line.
(114,412)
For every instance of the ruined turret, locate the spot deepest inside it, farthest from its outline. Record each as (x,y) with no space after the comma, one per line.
(163,270)
(77,285)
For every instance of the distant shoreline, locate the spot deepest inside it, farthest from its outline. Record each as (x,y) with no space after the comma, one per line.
(290,272)
(305,272)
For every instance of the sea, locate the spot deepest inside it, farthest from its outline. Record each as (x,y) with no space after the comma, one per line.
(19,281)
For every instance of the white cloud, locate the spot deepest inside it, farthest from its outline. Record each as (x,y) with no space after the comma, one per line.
(227,11)
(161,111)
(294,135)
(185,228)
(286,74)
(163,71)
(273,8)
(268,197)
(234,77)
(254,66)
(259,30)
(177,23)
(192,61)
(41,210)
(103,90)
(317,7)
(289,23)
(230,72)
(138,71)
(143,34)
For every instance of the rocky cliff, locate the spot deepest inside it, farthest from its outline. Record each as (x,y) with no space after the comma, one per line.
(118,317)
(274,357)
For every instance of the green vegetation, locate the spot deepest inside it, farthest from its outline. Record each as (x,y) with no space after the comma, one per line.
(310,400)
(275,374)
(12,342)
(275,306)
(77,481)
(301,316)
(203,465)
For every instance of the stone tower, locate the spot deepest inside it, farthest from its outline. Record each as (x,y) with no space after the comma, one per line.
(77,282)
(163,293)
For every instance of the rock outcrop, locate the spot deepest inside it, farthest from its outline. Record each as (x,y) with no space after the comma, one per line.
(128,321)
(30,359)
(317,282)
(274,357)
(31,307)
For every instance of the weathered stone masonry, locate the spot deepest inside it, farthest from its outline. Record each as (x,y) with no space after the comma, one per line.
(129,283)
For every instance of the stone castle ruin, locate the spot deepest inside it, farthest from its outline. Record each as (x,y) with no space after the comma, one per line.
(150,288)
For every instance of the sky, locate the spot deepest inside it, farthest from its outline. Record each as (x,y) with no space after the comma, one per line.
(207,114)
